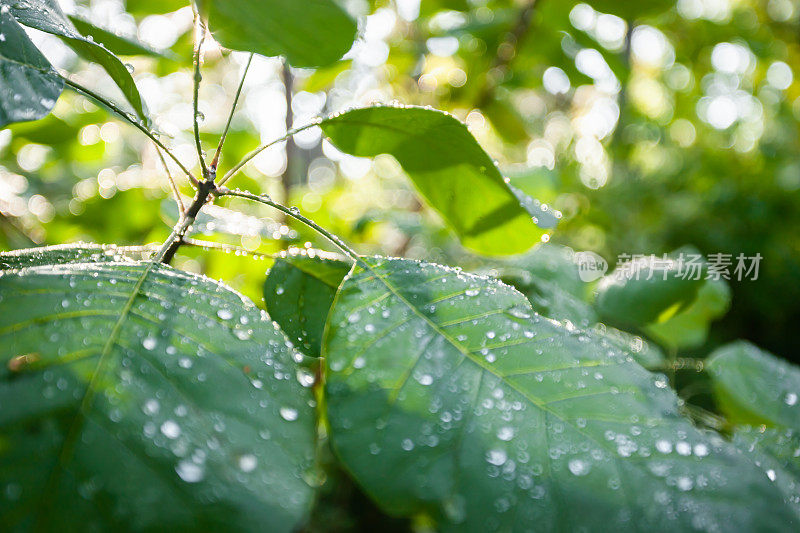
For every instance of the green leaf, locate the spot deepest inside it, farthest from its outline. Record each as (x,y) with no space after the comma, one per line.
(689,327)
(298,292)
(777,452)
(119,44)
(312,33)
(549,278)
(46,15)
(450,170)
(645,353)
(139,397)
(752,386)
(447,395)
(61,254)
(642,292)
(29,86)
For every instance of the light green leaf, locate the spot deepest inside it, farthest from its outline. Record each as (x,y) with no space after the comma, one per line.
(450,170)
(299,291)
(641,292)
(119,44)
(752,386)
(134,396)
(447,395)
(631,11)
(311,33)
(46,15)
(63,253)
(29,86)
(689,327)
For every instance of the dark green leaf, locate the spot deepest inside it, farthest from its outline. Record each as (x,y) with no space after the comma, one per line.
(641,292)
(119,44)
(46,15)
(450,169)
(311,33)
(29,86)
(298,292)
(631,11)
(447,395)
(752,386)
(163,398)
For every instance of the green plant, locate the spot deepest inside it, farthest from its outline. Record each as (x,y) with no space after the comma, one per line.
(139,396)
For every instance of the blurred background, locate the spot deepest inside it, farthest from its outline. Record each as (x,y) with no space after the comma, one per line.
(650,125)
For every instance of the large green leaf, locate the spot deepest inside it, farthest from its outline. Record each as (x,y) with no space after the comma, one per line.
(137,397)
(46,15)
(311,33)
(450,169)
(29,86)
(447,395)
(754,387)
(643,292)
(299,291)
(62,253)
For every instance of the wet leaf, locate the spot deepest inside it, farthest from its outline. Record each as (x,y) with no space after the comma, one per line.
(164,398)
(312,33)
(298,292)
(46,15)
(450,170)
(752,386)
(29,86)
(119,44)
(447,395)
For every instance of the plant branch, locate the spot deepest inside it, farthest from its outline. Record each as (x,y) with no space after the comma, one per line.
(172,185)
(246,159)
(138,125)
(171,245)
(294,213)
(198,48)
(215,161)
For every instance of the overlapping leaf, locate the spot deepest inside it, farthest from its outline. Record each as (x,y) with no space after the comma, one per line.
(298,292)
(450,170)
(29,86)
(447,395)
(163,398)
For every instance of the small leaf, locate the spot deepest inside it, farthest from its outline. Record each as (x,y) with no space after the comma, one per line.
(311,33)
(119,44)
(450,170)
(642,292)
(447,395)
(299,291)
(689,327)
(752,386)
(46,15)
(29,86)
(137,397)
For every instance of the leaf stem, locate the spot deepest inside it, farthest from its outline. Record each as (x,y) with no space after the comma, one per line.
(198,48)
(294,213)
(246,159)
(116,109)
(215,161)
(174,241)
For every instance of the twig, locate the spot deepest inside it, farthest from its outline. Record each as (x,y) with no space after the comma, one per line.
(215,161)
(246,159)
(172,185)
(293,212)
(175,240)
(198,26)
(116,109)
